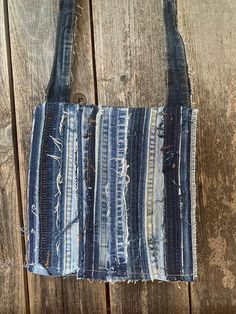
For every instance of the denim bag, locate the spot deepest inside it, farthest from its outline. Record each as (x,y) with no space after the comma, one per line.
(111,190)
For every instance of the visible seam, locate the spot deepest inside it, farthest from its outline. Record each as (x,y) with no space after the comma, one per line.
(15,145)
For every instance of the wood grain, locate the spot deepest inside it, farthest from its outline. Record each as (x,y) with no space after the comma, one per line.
(32,54)
(32,31)
(130,52)
(82,78)
(131,71)
(12,292)
(148,297)
(209,31)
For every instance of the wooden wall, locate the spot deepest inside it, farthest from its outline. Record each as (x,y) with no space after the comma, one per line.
(119,58)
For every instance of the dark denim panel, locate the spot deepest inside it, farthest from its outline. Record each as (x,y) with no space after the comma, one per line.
(50,223)
(185,193)
(89,178)
(96,200)
(173,256)
(83,210)
(133,160)
(33,187)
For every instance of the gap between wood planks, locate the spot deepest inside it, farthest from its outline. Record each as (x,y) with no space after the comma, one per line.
(107,285)
(15,144)
(190,297)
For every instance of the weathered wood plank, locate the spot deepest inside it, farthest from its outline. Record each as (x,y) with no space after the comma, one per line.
(12,292)
(148,297)
(209,28)
(84,296)
(130,52)
(32,30)
(82,79)
(131,71)
(32,54)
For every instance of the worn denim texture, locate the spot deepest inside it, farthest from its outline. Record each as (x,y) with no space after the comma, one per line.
(96,194)
(111,191)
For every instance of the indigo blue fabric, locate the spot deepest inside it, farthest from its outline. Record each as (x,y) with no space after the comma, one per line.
(111,191)
(96,194)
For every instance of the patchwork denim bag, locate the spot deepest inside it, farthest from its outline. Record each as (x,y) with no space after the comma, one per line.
(111,190)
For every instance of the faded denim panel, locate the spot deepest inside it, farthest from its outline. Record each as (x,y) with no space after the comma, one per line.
(96,198)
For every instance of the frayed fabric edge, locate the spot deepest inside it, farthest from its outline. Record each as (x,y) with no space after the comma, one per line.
(193,186)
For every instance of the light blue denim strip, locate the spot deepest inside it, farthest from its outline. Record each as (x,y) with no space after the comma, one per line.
(70,187)
(154,198)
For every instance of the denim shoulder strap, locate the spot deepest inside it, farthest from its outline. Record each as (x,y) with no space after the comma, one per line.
(59,83)
(178,83)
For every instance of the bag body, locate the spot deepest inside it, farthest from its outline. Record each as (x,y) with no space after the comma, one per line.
(111,190)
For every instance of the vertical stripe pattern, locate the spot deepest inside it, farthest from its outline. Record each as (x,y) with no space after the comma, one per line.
(96,198)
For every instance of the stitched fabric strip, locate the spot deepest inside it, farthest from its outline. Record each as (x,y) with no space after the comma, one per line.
(97,194)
